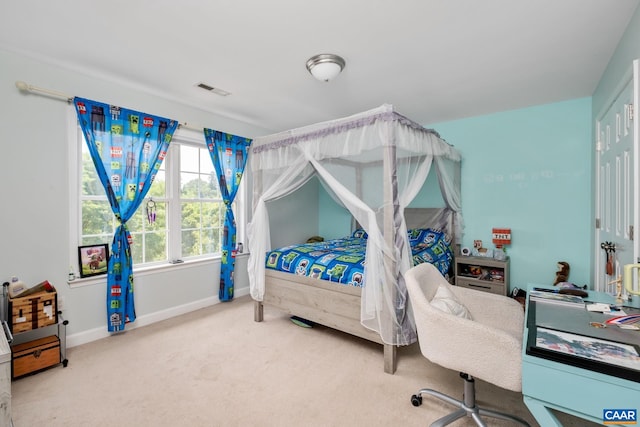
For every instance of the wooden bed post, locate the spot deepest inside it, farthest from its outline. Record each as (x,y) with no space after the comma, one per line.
(258,307)
(258,311)
(390,360)
(390,191)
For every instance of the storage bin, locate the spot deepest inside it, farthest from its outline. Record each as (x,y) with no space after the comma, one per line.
(33,356)
(33,311)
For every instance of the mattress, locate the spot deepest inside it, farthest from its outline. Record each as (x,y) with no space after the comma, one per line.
(342,260)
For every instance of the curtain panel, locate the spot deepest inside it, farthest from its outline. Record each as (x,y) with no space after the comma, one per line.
(127,148)
(229,156)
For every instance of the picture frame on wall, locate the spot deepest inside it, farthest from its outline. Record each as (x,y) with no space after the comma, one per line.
(93,260)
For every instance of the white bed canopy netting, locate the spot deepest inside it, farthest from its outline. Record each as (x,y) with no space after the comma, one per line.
(374,164)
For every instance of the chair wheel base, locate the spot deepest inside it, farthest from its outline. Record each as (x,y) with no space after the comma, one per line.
(416,400)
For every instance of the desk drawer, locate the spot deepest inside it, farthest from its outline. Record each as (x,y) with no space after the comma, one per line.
(482,285)
(555,385)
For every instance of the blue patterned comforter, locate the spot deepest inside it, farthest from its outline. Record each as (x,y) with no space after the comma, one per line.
(342,260)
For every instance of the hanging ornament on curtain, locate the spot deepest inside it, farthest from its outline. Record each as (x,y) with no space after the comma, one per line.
(151,211)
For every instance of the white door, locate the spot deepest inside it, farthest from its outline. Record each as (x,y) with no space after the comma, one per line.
(616,167)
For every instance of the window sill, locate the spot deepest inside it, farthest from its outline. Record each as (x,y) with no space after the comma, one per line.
(144,271)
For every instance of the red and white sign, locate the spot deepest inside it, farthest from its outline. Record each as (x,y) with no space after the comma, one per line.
(501,236)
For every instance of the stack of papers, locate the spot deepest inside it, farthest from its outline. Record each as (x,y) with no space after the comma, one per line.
(554,297)
(599,307)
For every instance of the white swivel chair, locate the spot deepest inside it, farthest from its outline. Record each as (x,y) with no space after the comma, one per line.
(488,345)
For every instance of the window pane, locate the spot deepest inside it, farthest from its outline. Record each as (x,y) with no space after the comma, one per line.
(212,213)
(159,185)
(190,185)
(206,165)
(201,227)
(150,238)
(209,186)
(191,216)
(97,218)
(200,222)
(136,248)
(91,185)
(155,247)
(135,222)
(211,240)
(189,158)
(212,222)
(190,243)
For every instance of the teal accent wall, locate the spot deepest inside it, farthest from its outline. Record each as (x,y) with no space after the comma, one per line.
(294,218)
(529,170)
(335,221)
(430,195)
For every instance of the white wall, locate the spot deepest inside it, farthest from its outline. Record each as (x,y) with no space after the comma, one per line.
(35,197)
(620,63)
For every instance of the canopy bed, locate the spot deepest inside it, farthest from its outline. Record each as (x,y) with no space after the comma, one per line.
(374,164)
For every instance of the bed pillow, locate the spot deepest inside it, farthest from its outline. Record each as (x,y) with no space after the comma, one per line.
(445,300)
(427,236)
(432,246)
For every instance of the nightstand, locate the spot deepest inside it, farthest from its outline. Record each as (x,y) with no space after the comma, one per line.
(482,274)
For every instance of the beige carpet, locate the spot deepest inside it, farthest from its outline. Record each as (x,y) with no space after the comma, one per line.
(217,367)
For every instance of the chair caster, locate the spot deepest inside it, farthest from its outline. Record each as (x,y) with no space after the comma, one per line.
(416,400)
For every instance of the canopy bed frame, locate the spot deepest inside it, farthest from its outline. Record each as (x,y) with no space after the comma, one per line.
(354,158)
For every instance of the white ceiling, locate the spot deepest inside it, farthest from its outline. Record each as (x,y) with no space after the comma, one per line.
(434,60)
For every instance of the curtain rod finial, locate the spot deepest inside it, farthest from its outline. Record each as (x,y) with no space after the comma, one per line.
(22,86)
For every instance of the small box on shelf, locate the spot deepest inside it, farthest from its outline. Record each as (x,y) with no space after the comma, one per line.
(33,311)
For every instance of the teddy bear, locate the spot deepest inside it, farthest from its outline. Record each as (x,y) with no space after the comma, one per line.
(562,275)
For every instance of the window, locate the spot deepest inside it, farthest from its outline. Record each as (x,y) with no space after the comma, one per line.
(185,198)
(98,222)
(201,207)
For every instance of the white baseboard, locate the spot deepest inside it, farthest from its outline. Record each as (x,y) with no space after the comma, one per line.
(85,337)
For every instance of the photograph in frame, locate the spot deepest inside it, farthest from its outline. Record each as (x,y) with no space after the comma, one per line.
(93,260)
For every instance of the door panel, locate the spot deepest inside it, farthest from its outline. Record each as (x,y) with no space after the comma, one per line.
(615,164)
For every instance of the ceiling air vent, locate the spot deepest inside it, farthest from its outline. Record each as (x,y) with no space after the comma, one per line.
(215,90)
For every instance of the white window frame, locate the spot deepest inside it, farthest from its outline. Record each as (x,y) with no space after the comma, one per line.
(172,174)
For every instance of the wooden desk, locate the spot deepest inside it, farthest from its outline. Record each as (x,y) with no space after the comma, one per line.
(582,392)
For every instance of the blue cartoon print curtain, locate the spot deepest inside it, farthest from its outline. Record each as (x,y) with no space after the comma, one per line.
(229,156)
(127,148)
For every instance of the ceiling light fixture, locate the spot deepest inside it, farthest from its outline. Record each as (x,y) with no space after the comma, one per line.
(325,66)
